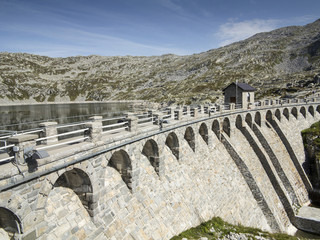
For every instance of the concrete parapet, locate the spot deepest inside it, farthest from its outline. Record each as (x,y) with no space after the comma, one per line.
(22,142)
(132,120)
(194,112)
(179,113)
(95,127)
(49,130)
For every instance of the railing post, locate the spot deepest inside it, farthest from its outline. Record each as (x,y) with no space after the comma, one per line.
(132,122)
(202,109)
(22,144)
(95,127)
(49,129)
(232,106)
(159,121)
(195,111)
(179,112)
(171,112)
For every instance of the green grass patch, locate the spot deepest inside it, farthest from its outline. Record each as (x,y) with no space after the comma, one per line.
(217,228)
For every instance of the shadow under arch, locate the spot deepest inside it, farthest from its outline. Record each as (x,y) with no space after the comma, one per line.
(190,138)
(216,128)
(278,114)
(239,121)
(78,181)
(257,119)
(286,113)
(151,151)
(318,108)
(248,119)
(203,131)
(226,126)
(311,110)
(269,116)
(303,111)
(121,161)
(173,143)
(294,112)
(10,222)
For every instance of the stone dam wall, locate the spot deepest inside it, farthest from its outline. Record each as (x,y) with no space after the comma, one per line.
(244,167)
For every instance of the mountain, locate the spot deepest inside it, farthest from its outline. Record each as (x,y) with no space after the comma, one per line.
(283,62)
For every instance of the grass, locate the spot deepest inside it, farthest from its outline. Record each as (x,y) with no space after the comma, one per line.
(217,228)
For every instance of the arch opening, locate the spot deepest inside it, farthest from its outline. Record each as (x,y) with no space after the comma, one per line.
(226,126)
(269,116)
(278,115)
(311,110)
(257,118)
(10,222)
(303,111)
(121,161)
(216,128)
(203,130)
(318,108)
(286,113)
(189,137)
(78,181)
(294,112)
(239,122)
(151,151)
(173,143)
(248,120)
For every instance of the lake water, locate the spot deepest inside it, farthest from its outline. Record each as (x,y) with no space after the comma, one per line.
(21,117)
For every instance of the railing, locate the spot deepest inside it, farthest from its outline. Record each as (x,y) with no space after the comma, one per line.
(66,134)
(113,125)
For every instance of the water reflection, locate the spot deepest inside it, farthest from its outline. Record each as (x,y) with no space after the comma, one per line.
(23,117)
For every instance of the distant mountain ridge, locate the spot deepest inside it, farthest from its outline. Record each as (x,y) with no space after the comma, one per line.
(282,62)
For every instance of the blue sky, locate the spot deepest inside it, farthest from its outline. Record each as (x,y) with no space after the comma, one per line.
(61,28)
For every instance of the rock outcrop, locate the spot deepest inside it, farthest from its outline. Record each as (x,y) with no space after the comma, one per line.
(282,62)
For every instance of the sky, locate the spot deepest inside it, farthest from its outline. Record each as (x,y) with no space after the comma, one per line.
(62,28)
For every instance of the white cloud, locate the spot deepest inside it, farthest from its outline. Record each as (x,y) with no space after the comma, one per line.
(235,31)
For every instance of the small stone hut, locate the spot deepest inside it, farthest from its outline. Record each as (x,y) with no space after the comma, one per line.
(239,93)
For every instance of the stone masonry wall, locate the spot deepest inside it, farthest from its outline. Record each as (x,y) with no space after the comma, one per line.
(194,188)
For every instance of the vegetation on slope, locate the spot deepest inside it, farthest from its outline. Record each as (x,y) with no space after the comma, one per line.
(216,228)
(311,141)
(282,62)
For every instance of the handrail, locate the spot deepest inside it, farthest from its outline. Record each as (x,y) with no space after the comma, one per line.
(8,146)
(114,125)
(63,143)
(62,134)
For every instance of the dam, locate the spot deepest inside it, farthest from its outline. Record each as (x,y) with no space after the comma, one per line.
(155,174)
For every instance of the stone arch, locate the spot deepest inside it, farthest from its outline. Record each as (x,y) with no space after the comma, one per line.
(203,130)
(303,111)
(216,128)
(286,113)
(78,181)
(248,119)
(10,222)
(151,151)
(294,112)
(226,126)
(311,110)
(121,161)
(173,143)
(278,114)
(257,118)
(269,116)
(189,137)
(239,121)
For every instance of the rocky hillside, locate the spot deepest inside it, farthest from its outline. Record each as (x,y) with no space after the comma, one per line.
(282,62)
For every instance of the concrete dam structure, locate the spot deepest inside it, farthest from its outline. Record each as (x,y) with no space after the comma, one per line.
(136,179)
